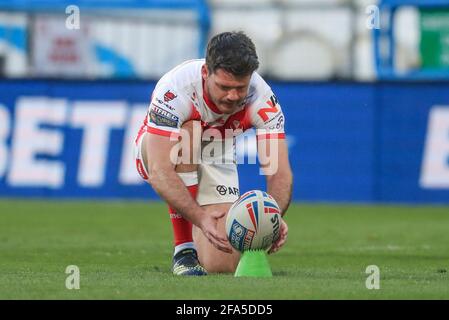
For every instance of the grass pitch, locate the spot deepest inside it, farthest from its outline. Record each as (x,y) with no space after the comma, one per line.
(123,251)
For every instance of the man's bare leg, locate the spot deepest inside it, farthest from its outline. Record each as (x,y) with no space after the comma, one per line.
(212,259)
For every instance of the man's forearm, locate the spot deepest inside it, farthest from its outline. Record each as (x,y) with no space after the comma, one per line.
(279,186)
(171,188)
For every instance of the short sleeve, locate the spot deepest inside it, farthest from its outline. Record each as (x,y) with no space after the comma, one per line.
(167,111)
(268,118)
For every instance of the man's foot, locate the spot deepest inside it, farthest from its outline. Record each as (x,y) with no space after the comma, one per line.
(185,263)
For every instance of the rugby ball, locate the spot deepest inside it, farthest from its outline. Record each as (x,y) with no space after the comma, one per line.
(253,221)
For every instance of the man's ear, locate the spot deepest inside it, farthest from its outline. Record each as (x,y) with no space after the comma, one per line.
(204,72)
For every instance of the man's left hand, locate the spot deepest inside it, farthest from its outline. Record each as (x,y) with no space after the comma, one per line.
(282,238)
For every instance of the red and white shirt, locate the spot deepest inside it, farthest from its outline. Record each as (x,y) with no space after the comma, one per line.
(179,97)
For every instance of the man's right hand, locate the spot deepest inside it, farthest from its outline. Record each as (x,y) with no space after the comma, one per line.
(208,225)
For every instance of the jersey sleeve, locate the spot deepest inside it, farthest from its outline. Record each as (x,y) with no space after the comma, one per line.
(167,111)
(268,118)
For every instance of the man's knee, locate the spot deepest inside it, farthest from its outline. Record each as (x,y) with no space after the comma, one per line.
(212,259)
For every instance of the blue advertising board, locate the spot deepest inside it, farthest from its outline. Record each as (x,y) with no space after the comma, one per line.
(379,142)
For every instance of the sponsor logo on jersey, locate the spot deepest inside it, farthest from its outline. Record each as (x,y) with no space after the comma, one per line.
(224,190)
(162,103)
(164,113)
(272,108)
(162,117)
(279,124)
(169,96)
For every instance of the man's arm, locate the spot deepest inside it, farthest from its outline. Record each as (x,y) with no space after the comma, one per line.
(279,180)
(166,182)
(276,166)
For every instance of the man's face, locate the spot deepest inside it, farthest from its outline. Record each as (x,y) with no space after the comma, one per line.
(225,90)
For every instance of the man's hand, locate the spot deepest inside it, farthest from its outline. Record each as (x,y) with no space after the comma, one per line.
(282,238)
(208,225)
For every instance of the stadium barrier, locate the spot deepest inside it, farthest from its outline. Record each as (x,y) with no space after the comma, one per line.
(379,142)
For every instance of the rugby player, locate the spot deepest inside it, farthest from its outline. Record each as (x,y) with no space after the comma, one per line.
(219,94)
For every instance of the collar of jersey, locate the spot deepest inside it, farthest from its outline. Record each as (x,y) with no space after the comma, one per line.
(209,102)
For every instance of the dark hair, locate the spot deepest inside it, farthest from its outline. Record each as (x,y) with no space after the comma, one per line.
(232,51)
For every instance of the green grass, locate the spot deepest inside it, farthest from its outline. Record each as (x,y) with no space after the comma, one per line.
(123,251)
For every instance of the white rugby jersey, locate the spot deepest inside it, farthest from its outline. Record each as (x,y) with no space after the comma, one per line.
(179,97)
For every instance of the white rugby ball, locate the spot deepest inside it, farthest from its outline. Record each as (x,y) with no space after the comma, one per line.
(253,221)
